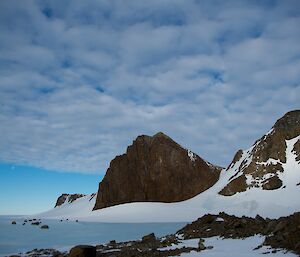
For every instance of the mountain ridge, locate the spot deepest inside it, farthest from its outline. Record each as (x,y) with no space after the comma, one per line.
(263,162)
(278,152)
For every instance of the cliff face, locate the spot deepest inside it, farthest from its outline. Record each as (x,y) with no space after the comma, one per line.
(262,165)
(155,169)
(67,198)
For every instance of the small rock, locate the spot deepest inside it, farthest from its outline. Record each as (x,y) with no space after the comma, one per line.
(36,223)
(45,227)
(13,222)
(23,223)
(201,245)
(149,238)
(112,244)
(83,251)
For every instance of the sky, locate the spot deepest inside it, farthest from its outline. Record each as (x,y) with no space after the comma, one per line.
(80,80)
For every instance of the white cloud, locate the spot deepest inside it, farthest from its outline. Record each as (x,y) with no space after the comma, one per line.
(78,86)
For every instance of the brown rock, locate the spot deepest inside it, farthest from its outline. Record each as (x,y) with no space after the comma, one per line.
(272,183)
(83,251)
(149,238)
(155,169)
(236,185)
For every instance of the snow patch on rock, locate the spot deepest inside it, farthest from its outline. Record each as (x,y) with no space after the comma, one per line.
(191,155)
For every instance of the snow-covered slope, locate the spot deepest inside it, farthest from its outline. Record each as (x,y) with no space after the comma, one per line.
(80,207)
(267,203)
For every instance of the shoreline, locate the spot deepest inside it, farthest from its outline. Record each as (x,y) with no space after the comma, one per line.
(196,237)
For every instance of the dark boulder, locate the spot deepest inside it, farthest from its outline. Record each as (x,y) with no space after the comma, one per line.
(149,238)
(83,251)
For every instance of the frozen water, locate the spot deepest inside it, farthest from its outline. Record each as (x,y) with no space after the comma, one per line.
(66,234)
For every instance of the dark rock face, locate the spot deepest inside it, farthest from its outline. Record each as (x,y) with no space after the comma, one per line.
(67,197)
(155,169)
(83,251)
(271,146)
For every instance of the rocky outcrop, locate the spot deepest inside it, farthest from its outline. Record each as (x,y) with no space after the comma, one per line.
(280,233)
(155,169)
(67,198)
(262,164)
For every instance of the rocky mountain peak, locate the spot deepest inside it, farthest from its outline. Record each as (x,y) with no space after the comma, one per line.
(155,168)
(289,124)
(264,163)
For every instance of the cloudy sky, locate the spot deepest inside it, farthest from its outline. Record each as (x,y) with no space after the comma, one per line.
(79,80)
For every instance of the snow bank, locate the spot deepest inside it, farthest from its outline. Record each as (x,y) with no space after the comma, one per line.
(234,248)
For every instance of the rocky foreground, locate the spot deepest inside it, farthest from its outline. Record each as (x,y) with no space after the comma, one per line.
(282,233)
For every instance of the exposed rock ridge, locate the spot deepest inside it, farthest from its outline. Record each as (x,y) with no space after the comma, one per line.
(69,198)
(155,169)
(262,164)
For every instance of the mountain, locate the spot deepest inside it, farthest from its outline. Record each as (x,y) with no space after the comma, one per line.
(246,187)
(155,169)
(67,198)
(265,164)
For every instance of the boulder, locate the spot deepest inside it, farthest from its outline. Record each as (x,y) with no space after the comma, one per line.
(83,251)
(45,227)
(149,238)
